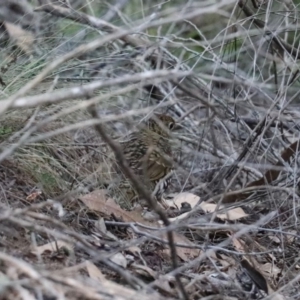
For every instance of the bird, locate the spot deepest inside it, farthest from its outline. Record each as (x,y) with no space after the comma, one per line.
(148,153)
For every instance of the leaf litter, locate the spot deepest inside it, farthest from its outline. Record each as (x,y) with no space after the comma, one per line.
(111,253)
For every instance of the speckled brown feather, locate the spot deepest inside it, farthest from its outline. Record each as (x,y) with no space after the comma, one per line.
(148,153)
(147,150)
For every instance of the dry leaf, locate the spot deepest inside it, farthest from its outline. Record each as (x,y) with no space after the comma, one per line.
(226,261)
(208,207)
(163,284)
(238,245)
(101,227)
(144,271)
(177,218)
(291,236)
(134,250)
(52,247)
(119,259)
(24,39)
(185,254)
(150,216)
(266,269)
(94,272)
(270,270)
(231,214)
(33,196)
(183,197)
(274,238)
(95,200)
(113,288)
(277,297)
(98,201)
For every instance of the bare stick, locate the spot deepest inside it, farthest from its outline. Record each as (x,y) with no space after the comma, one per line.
(143,193)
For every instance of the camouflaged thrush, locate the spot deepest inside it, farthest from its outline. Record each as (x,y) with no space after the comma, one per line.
(148,153)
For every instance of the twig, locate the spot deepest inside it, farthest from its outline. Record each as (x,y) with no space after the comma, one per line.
(79,92)
(261,24)
(69,236)
(244,230)
(114,9)
(143,193)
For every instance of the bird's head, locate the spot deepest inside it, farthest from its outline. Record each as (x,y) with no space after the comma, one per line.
(161,124)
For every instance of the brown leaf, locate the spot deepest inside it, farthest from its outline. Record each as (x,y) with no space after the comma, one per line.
(52,247)
(115,289)
(33,196)
(23,39)
(292,236)
(94,272)
(144,270)
(274,238)
(119,259)
(270,270)
(231,214)
(164,283)
(278,297)
(238,245)
(101,228)
(259,280)
(97,201)
(134,250)
(183,197)
(182,216)
(185,254)
(271,175)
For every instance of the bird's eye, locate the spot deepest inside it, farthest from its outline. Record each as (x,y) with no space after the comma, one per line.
(171,125)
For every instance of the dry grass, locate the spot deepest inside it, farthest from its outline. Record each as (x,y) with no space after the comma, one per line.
(229,80)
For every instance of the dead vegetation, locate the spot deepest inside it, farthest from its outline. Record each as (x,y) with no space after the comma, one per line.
(78,76)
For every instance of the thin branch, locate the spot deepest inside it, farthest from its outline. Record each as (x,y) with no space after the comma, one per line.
(143,193)
(261,24)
